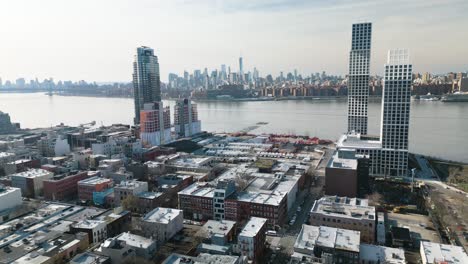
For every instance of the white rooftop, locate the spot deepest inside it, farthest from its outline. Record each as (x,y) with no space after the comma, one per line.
(222,227)
(89,224)
(33,173)
(94,180)
(199,189)
(380,254)
(354,141)
(162,215)
(252,227)
(329,237)
(433,252)
(344,207)
(135,240)
(32,258)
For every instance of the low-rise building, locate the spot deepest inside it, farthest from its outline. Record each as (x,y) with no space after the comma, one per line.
(128,188)
(63,187)
(162,223)
(204,258)
(31,182)
(328,244)
(142,247)
(96,229)
(435,253)
(90,258)
(10,197)
(372,254)
(346,213)
(217,232)
(251,239)
(196,201)
(87,187)
(118,251)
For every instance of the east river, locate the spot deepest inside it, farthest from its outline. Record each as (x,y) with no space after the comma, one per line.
(437,129)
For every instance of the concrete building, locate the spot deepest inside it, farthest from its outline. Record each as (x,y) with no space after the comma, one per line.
(155,124)
(128,188)
(218,232)
(146,79)
(87,187)
(10,197)
(31,182)
(372,254)
(395,119)
(324,244)
(128,247)
(203,258)
(345,213)
(251,239)
(118,251)
(96,230)
(435,253)
(186,121)
(90,258)
(358,78)
(63,187)
(162,223)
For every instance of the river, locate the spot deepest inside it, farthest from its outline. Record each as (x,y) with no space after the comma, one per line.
(437,129)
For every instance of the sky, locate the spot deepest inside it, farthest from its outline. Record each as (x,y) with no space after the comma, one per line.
(95,40)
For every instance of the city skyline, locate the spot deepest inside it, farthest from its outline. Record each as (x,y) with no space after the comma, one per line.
(98,46)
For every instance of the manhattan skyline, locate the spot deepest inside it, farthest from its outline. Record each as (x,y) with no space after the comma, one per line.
(95,41)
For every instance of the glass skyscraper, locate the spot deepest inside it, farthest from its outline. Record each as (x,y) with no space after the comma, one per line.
(146,79)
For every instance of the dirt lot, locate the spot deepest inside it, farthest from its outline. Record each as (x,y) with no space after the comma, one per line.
(451,208)
(453,173)
(420,226)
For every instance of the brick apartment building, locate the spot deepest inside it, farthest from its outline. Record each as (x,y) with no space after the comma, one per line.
(63,187)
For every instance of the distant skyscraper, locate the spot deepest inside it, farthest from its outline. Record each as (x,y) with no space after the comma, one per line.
(146,79)
(358,78)
(186,121)
(155,124)
(241,69)
(396,113)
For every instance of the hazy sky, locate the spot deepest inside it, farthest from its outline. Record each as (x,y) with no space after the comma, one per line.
(95,40)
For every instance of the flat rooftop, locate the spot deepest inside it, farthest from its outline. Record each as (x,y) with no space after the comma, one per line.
(342,163)
(5,190)
(203,258)
(354,141)
(440,252)
(33,173)
(199,189)
(253,226)
(329,237)
(380,254)
(162,215)
(88,224)
(130,184)
(344,207)
(191,161)
(149,195)
(94,181)
(88,258)
(222,227)
(134,240)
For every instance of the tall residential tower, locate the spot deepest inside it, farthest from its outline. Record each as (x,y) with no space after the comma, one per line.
(358,78)
(146,79)
(396,101)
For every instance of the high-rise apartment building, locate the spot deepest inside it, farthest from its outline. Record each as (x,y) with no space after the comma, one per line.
(186,121)
(155,124)
(146,79)
(358,78)
(396,101)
